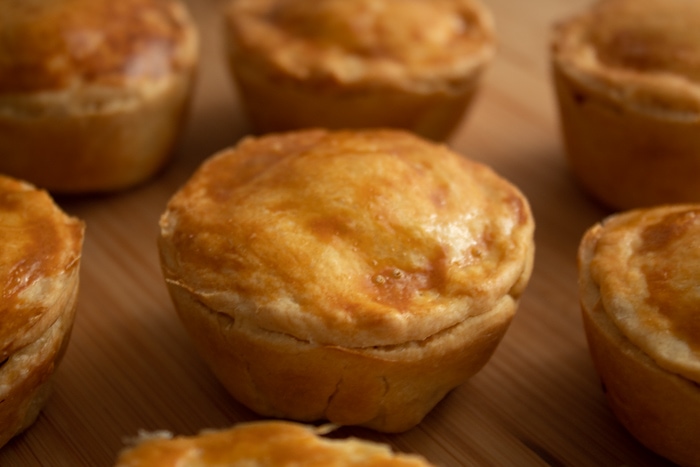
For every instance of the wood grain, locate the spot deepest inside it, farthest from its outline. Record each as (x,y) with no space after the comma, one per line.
(130,365)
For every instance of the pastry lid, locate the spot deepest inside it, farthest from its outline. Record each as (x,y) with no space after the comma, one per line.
(54,45)
(40,243)
(647,266)
(641,53)
(266,443)
(414,44)
(349,238)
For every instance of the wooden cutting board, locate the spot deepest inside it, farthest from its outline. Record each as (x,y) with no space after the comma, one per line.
(130,365)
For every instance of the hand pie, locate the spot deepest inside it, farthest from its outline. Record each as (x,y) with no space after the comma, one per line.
(92,92)
(627,76)
(342,64)
(640,296)
(39,273)
(352,276)
(268,444)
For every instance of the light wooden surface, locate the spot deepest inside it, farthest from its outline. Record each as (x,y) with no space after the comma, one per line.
(130,365)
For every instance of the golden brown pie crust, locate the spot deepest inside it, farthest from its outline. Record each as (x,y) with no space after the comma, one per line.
(271,443)
(92,92)
(627,77)
(355,276)
(358,63)
(640,301)
(39,267)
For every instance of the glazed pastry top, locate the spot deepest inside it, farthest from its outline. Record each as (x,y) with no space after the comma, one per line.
(264,444)
(652,47)
(414,42)
(647,264)
(657,36)
(54,45)
(40,244)
(353,238)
